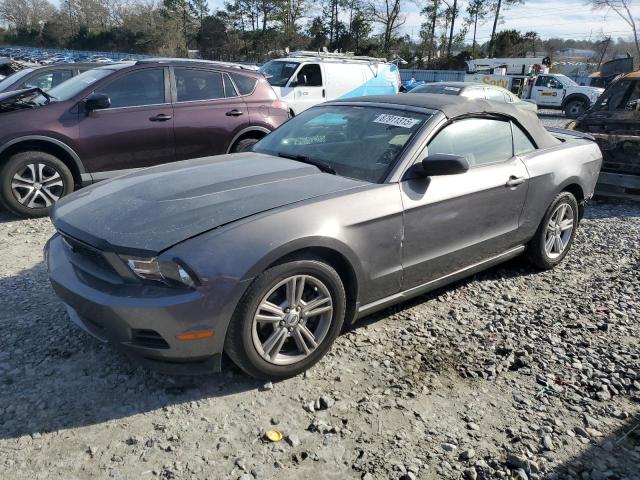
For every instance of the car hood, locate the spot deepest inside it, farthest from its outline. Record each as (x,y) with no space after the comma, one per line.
(151,210)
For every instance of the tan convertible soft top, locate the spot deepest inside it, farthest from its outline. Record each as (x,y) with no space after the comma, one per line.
(453,106)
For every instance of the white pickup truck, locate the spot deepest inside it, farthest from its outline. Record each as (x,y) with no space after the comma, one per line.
(547,90)
(552,90)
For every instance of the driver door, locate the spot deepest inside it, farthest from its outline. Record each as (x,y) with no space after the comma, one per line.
(136,131)
(455,221)
(548,91)
(308,87)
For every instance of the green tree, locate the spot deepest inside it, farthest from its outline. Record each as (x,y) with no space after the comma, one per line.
(477,11)
(497,7)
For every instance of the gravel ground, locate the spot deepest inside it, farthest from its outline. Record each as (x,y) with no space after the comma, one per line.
(514,373)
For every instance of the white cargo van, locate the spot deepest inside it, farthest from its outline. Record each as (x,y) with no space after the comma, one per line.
(304,79)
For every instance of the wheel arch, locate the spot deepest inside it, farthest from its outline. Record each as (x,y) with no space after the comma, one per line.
(48,145)
(577,191)
(334,253)
(341,265)
(249,132)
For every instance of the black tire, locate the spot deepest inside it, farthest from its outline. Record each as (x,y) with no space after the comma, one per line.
(19,164)
(536,251)
(244,145)
(239,344)
(575,108)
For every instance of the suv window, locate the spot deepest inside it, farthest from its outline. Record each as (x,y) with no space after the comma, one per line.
(136,89)
(310,76)
(229,88)
(521,143)
(193,84)
(480,141)
(244,83)
(48,80)
(549,82)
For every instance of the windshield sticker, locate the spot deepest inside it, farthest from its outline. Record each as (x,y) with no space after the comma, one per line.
(396,121)
(291,65)
(452,89)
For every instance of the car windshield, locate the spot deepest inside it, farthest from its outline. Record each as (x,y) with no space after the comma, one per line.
(279,72)
(11,79)
(72,87)
(436,88)
(361,142)
(566,81)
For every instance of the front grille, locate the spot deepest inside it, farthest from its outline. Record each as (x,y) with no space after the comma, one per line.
(88,256)
(148,339)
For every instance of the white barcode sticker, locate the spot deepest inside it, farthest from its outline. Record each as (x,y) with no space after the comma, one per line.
(396,121)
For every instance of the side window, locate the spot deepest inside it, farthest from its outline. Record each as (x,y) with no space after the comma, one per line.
(614,95)
(310,76)
(481,141)
(136,89)
(46,81)
(474,93)
(193,84)
(633,102)
(541,81)
(521,143)
(244,83)
(496,95)
(229,89)
(549,82)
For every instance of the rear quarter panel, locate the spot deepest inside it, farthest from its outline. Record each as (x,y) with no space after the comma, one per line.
(574,162)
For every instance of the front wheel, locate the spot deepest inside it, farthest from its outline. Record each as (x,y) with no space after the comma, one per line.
(556,233)
(287,320)
(575,108)
(31,182)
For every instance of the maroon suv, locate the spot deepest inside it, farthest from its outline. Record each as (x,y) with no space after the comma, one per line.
(120,117)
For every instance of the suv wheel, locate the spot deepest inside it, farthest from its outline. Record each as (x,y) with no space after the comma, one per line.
(244,145)
(30,182)
(575,108)
(287,319)
(556,233)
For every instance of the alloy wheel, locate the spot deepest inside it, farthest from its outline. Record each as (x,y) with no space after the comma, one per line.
(37,185)
(292,319)
(559,231)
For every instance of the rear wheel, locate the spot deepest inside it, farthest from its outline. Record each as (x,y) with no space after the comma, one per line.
(244,145)
(287,319)
(575,108)
(556,233)
(31,182)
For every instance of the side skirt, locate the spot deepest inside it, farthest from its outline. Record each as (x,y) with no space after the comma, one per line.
(372,307)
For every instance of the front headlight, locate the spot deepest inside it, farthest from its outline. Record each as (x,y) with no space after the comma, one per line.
(171,273)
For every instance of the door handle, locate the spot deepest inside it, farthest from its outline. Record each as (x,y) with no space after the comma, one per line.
(515,181)
(323,93)
(234,113)
(161,118)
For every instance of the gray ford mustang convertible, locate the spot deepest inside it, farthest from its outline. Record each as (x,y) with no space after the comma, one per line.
(347,208)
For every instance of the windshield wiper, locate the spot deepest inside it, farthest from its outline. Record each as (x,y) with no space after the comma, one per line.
(304,159)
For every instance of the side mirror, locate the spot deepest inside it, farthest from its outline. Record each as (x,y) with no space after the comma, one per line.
(97,101)
(443,164)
